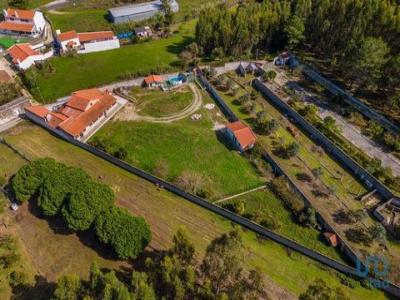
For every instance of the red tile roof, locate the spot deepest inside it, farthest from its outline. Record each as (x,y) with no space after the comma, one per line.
(20,13)
(80,100)
(21,52)
(153,79)
(95,36)
(14,26)
(65,36)
(332,239)
(38,110)
(75,121)
(243,133)
(54,119)
(77,124)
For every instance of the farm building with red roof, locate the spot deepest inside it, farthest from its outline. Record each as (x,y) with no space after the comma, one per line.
(241,135)
(79,114)
(86,42)
(24,56)
(153,81)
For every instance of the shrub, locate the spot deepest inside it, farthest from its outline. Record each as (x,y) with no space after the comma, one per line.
(292,201)
(292,150)
(271,223)
(128,235)
(17,278)
(121,153)
(308,218)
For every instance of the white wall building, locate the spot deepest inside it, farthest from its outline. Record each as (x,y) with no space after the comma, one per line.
(87,42)
(23,56)
(23,22)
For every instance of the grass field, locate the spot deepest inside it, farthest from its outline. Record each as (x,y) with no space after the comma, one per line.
(7,42)
(99,68)
(166,213)
(80,20)
(181,146)
(157,103)
(266,203)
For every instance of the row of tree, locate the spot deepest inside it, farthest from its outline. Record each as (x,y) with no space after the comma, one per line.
(360,38)
(83,204)
(175,274)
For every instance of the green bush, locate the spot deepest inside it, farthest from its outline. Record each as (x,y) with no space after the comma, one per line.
(128,235)
(292,201)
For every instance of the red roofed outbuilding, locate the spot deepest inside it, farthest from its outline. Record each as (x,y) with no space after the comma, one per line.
(332,239)
(153,81)
(241,135)
(86,42)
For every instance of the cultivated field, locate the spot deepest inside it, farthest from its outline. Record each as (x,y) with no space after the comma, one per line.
(165,213)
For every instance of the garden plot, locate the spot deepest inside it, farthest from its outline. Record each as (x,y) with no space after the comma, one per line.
(332,190)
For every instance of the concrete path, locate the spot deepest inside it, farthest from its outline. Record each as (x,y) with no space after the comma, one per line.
(241,194)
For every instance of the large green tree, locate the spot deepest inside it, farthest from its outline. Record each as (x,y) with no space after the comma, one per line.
(127,234)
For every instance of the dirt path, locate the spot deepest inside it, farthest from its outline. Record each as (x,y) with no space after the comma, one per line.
(241,194)
(129,113)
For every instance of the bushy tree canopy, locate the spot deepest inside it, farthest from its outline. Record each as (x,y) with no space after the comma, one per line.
(127,234)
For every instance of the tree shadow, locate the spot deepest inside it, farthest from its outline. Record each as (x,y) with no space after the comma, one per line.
(56,224)
(89,239)
(176,48)
(41,289)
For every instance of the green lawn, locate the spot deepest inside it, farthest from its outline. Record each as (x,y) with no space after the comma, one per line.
(84,20)
(265,203)
(7,42)
(166,213)
(180,146)
(157,103)
(99,68)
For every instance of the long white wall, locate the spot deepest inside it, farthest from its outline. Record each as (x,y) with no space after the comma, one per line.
(27,63)
(100,46)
